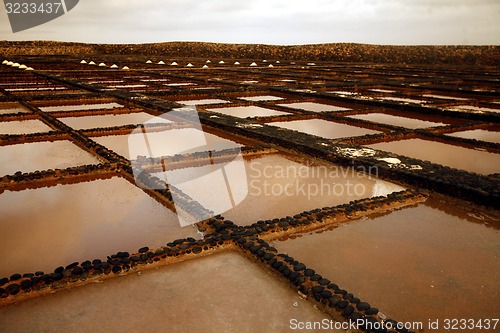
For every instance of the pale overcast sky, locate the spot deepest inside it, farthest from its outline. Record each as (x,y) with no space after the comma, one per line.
(284,22)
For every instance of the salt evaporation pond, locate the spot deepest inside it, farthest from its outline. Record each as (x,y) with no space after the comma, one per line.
(324,128)
(237,296)
(55,226)
(433,261)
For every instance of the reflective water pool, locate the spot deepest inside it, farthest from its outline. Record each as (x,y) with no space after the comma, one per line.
(415,264)
(109,120)
(397,120)
(261,98)
(278,187)
(59,225)
(174,140)
(29,157)
(479,134)
(23,127)
(237,296)
(248,111)
(314,107)
(324,128)
(203,101)
(454,156)
(79,107)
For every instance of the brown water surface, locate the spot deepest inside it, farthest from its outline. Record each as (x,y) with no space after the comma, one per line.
(23,127)
(396,120)
(248,111)
(220,293)
(479,134)
(80,107)
(29,157)
(314,107)
(174,141)
(415,264)
(279,187)
(110,120)
(261,98)
(324,128)
(49,227)
(481,162)
(6,108)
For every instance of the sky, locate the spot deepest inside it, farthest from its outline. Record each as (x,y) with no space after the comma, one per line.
(279,22)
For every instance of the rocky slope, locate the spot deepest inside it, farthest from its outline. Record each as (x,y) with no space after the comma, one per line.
(345,52)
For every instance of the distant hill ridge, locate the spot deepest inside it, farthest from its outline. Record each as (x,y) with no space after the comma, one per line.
(347,52)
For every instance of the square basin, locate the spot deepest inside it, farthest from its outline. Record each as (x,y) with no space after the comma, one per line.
(248,111)
(238,296)
(416,264)
(314,107)
(109,120)
(23,127)
(396,120)
(278,187)
(481,162)
(324,128)
(55,226)
(29,157)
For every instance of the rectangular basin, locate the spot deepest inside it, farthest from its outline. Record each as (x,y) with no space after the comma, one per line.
(414,264)
(23,127)
(237,296)
(280,187)
(29,157)
(324,128)
(248,111)
(55,226)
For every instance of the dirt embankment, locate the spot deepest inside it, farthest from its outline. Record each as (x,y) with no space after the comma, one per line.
(343,52)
